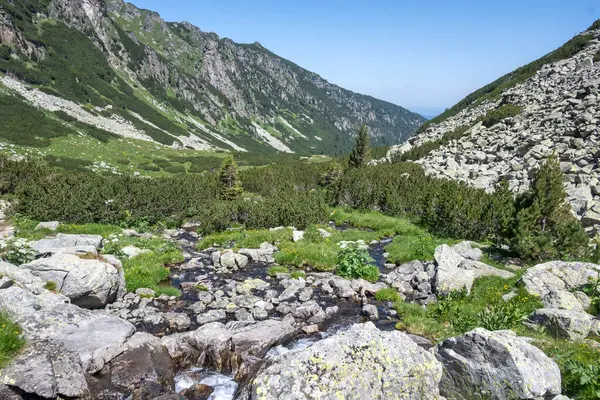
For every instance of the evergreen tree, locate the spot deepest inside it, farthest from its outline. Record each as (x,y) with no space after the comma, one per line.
(503,210)
(545,227)
(361,153)
(231,186)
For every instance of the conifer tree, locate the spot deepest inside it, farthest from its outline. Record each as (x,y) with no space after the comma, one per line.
(361,153)
(545,227)
(231,186)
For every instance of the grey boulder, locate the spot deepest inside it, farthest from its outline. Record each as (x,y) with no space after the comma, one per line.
(359,363)
(67,243)
(495,365)
(572,325)
(88,283)
(449,277)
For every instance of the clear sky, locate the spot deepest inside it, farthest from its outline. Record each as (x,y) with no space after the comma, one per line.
(421,54)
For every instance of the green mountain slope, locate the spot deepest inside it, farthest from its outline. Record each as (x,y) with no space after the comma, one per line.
(107,69)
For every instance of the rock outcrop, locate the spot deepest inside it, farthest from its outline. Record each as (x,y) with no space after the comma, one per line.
(89,283)
(361,362)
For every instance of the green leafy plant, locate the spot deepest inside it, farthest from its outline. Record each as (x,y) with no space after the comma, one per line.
(501,316)
(588,375)
(353,262)
(298,274)
(592,289)
(17,251)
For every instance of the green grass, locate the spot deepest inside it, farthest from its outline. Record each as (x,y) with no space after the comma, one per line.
(579,366)
(411,242)
(388,294)
(277,269)
(407,248)
(147,270)
(383,224)
(11,339)
(26,229)
(459,313)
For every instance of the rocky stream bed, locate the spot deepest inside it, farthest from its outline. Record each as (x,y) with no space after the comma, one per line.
(238,332)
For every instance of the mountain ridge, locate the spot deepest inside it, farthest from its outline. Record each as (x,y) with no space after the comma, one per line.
(185,87)
(504,130)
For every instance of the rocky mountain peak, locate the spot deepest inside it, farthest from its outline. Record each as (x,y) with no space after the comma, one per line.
(185,87)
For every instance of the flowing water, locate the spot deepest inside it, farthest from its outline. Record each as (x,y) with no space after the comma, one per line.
(349,312)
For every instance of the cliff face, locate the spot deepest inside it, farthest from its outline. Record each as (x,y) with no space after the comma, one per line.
(204,91)
(555,107)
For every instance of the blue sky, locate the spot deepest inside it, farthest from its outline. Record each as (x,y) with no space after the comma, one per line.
(421,54)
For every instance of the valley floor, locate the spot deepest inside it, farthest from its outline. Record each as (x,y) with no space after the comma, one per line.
(279,295)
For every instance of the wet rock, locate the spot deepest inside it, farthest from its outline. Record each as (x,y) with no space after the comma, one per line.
(143,367)
(245,301)
(205,297)
(361,362)
(177,321)
(197,308)
(197,392)
(88,283)
(331,311)
(228,261)
(310,329)
(243,315)
(476,361)
(305,294)
(370,311)
(259,314)
(211,316)
(292,287)
(250,285)
(307,310)
(241,260)
(263,254)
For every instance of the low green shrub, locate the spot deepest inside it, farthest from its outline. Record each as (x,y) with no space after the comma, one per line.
(387,294)
(500,113)
(354,262)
